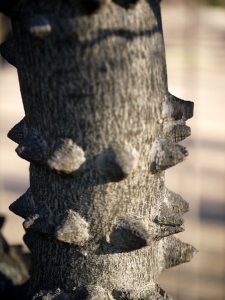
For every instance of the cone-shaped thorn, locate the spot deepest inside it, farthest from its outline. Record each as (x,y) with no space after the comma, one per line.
(24,205)
(165,154)
(149,292)
(71,228)
(39,27)
(18,132)
(161,293)
(91,292)
(177,109)
(33,148)
(160,231)
(7,50)
(40,220)
(176,132)
(130,233)
(67,157)
(118,161)
(173,252)
(50,294)
(175,202)
(162,215)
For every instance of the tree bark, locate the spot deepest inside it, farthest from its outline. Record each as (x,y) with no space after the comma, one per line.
(99,130)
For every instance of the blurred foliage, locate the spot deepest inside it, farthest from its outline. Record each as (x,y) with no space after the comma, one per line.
(5,27)
(214,2)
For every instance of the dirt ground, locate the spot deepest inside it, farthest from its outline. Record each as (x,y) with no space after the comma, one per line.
(195,51)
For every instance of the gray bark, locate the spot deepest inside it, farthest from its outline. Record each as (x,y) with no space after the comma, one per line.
(100,128)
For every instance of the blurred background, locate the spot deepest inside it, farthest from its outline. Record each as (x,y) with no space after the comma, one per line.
(194,33)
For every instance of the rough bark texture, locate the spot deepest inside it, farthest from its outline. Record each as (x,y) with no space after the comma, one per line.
(100,129)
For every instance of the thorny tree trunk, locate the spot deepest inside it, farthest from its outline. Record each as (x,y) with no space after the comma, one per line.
(100,128)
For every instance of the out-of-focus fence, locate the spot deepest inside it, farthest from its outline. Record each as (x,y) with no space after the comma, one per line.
(195,50)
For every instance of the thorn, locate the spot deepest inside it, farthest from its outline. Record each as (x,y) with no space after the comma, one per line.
(165,154)
(162,215)
(67,157)
(175,202)
(18,132)
(176,132)
(90,292)
(24,205)
(71,228)
(125,293)
(7,50)
(117,162)
(50,293)
(177,109)
(39,27)
(149,292)
(162,293)
(173,252)
(130,233)
(40,220)
(33,148)
(126,3)
(128,293)
(160,231)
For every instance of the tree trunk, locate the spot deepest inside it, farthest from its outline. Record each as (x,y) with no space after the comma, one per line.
(100,128)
